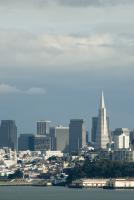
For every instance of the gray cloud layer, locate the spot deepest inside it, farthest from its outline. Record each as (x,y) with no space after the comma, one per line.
(52,52)
(94,2)
(75,3)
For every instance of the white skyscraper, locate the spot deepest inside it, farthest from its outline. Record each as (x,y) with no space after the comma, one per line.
(102,134)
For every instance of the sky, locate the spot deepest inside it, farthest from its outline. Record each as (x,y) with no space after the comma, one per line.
(56,56)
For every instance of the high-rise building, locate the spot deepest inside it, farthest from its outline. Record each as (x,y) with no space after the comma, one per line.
(77,135)
(102,134)
(94,128)
(25,142)
(41,143)
(121,138)
(53,138)
(43,127)
(132,137)
(8,134)
(87,137)
(60,138)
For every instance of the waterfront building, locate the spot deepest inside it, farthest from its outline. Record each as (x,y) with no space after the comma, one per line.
(25,142)
(121,138)
(8,134)
(89,183)
(120,183)
(77,135)
(102,133)
(43,127)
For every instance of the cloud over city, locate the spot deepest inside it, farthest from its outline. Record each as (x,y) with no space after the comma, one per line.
(10,89)
(72,48)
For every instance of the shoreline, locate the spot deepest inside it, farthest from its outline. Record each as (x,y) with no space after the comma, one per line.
(106,184)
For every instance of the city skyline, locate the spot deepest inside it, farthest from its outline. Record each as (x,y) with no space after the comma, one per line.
(66,99)
(88,124)
(57,56)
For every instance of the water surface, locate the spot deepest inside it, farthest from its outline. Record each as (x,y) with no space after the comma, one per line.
(61,193)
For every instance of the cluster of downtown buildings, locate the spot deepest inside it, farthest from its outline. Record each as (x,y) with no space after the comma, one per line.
(59,138)
(116,145)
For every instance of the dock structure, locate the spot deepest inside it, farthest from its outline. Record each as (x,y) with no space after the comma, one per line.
(89,183)
(120,183)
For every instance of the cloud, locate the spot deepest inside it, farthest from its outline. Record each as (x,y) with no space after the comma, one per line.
(9,89)
(74,3)
(23,3)
(35,91)
(95,2)
(52,52)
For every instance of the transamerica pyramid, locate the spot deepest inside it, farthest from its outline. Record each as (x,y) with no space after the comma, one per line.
(102,134)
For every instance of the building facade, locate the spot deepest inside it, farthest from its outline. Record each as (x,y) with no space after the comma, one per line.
(121,138)
(60,138)
(77,135)
(41,143)
(102,134)
(123,155)
(8,134)
(132,138)
(94,128)
(43,127)
(25,142)
(53,138)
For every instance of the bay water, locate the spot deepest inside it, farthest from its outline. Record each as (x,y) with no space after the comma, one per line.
(62,193)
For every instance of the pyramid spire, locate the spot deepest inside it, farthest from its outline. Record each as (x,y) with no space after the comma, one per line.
(102,133)
(102,102)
